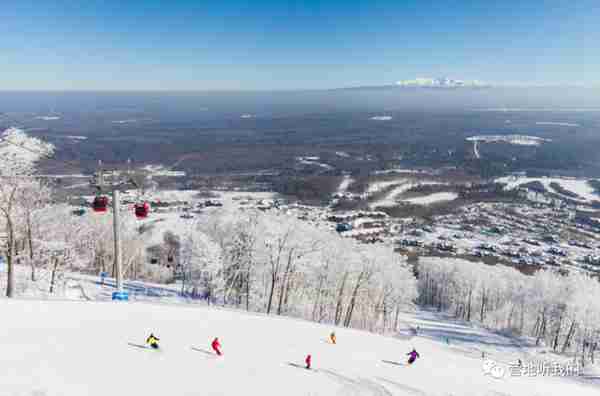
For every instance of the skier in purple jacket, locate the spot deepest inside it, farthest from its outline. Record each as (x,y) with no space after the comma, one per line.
(413,355)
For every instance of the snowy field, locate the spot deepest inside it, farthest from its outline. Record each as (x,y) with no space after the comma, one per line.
(522,140)
(74,348)
(313,160)
(577,186)
(160,170)
(569,124)
(48,118)
(131,121)
(402,185)
(76,137)
(432,198)
(401,170)
(381,118)
(172,221)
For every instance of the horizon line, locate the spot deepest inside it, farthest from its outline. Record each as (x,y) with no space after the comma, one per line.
(284,90)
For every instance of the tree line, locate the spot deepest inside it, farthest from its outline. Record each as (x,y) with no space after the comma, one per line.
(559,311)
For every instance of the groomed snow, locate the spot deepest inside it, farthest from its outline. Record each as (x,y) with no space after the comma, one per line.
(75,348)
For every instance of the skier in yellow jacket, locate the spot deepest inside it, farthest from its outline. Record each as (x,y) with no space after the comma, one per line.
(152,341)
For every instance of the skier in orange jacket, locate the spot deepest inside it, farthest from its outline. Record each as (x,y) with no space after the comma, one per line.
(332,337)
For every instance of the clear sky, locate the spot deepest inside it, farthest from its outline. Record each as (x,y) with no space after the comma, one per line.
(279,44)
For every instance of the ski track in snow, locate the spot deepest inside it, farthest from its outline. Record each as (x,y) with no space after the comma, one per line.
(356,387)
(408,390)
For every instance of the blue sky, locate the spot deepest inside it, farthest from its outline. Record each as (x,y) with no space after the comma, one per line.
(278,44)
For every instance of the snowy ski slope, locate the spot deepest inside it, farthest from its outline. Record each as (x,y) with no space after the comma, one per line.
(75,348)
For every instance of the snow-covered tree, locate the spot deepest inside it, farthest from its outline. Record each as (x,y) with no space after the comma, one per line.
(18,154)
(561,312)
(282,265)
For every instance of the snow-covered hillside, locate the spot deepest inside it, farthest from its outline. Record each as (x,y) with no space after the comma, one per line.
(580,187)
(72,348)
(19,151)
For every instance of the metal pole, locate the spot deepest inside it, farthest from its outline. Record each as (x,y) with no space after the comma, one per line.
(117,237)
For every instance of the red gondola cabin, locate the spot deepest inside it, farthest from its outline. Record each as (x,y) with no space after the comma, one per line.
(100,204)
(142,210)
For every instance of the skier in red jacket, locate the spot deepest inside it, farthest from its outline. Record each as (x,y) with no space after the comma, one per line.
(307,361)
(216,346)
